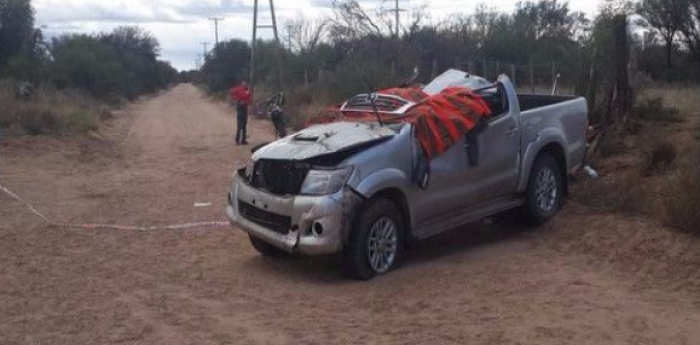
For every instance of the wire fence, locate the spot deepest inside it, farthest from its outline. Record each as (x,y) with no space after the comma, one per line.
(528,78)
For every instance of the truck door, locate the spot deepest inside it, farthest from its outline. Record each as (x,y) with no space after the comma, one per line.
(460,180)
(496,174)
(447,191)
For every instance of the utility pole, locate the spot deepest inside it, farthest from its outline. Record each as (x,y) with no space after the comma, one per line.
(216,29)
(251,81)
(396,11)
(204,46)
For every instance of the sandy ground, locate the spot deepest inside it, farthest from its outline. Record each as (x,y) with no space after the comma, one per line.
(585,278)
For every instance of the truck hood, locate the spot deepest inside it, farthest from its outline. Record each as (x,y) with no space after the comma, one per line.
(324,139)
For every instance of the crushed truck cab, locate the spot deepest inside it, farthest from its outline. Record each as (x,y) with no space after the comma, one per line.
(364,189)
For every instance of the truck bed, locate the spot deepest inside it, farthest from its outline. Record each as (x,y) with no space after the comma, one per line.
(528,102)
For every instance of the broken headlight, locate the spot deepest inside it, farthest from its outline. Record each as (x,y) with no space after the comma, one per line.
(246,171)
(323,182)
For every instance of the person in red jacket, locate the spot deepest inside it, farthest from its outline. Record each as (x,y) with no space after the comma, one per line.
(241,96)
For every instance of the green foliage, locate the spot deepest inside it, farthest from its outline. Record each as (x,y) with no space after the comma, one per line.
(667,17)
(226,65)
(84,62)
(357,53)
(16,28)
(109,66)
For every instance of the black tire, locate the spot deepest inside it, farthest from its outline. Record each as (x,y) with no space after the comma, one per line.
(356,260)
(266,249)
(536,211)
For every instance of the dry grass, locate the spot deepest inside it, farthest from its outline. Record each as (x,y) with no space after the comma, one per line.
(653,168)
(656,109)
(624,192)
(680,197)
(684,98)
(658,157)
(49,111)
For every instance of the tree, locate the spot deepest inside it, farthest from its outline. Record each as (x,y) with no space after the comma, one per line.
(691,29)
(352,21)
(110,66)
(228,64)
(84,62)
(132,40)
(668,17)
(305,36)
(16,28)
(137,52)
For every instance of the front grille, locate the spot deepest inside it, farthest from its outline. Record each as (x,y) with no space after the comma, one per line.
(383,103)
(279,177)
(275,222)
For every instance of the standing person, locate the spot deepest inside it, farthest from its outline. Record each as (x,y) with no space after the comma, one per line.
(242,96)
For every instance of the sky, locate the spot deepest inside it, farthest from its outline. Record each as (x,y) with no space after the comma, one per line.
(181,25)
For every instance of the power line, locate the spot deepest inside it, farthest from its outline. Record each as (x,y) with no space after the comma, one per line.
(216,28)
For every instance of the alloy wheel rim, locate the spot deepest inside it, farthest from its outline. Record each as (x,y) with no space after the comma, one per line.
(382,244)
(546,190)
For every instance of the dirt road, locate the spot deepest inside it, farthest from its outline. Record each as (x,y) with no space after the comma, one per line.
(585,278)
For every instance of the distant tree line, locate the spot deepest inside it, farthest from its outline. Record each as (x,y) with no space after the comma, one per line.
(670,50)
(109,66)
(357,47)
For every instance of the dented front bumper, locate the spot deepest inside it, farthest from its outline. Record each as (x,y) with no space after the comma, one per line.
(310,225)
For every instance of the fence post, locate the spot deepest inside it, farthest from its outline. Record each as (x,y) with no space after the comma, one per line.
(554,72)
(435,66)
(512,73)
(484,70)
(532,79)
(498,69)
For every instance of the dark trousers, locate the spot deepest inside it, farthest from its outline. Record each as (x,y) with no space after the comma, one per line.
(242,122)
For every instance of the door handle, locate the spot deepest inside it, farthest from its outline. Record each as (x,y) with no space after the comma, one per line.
(512,131)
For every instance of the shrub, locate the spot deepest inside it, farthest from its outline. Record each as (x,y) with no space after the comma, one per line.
(653,109)
(48,111)
(621,192)
(680,197)
(658,157)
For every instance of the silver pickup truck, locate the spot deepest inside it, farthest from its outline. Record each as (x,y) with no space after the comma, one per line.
(360,189)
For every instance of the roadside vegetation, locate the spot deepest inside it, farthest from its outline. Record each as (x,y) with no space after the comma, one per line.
(64,86)
(652,167)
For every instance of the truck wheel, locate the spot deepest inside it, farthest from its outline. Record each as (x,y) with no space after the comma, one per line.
(375,245)
(266,249)
(544,194)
